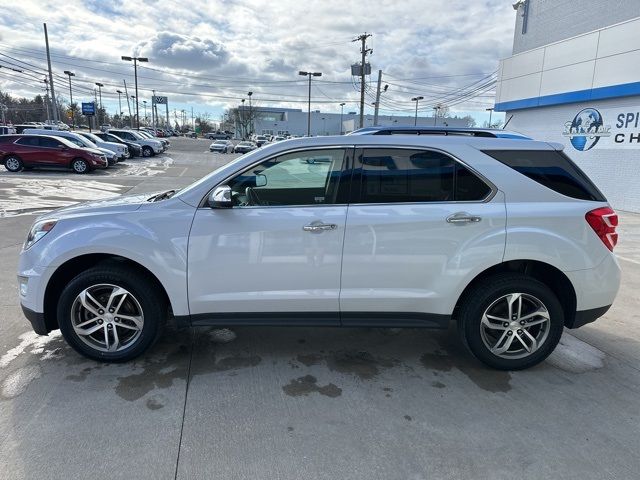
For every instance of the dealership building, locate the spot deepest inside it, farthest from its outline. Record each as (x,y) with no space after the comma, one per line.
(574,78)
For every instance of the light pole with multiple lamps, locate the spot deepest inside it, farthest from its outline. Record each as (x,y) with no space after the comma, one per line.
(309,74)
(341,113)
(490,110)
(416,99)
(144,102)
(134,98)
(73,120)
(135,61)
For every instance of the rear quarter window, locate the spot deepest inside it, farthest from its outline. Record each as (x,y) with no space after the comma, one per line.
(550,168)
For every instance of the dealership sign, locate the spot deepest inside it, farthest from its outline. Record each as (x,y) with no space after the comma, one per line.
(610,128)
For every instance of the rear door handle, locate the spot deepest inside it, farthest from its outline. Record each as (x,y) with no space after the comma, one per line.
(462,218)
(319,227)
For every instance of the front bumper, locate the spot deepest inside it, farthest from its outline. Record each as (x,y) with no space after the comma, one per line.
(36,319)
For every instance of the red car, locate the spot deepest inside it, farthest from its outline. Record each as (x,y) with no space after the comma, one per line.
(29,151)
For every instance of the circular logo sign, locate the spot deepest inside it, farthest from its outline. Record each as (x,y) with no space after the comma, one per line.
(586,129)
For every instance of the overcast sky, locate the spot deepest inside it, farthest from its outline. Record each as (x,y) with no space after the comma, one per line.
(208,54)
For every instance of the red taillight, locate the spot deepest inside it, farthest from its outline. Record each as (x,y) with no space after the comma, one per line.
(604,222)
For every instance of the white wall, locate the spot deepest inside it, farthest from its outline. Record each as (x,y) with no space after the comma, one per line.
(610,56)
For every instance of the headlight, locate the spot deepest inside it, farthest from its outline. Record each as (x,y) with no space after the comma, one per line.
(38,230)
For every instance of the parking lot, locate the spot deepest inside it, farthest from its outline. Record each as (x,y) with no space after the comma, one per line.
(292,403)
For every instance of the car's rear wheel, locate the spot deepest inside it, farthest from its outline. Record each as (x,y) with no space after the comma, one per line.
(510,321)
(80,166)
(147,151)
(13,163)
(111,313)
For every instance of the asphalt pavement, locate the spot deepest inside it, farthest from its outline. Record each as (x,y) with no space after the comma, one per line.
(292,403)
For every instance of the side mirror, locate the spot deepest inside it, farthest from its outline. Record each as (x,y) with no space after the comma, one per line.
(220,197)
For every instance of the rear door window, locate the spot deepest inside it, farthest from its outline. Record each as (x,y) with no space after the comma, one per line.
(29,141)
(551,168)
(394,175)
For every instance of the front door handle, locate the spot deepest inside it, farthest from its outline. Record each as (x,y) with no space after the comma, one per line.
(462,218)
(319,227)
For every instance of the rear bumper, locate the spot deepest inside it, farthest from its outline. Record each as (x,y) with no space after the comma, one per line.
(36,319)
(587,316)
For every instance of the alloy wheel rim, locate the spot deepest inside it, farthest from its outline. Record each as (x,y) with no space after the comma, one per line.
(107,317)
(12,163)
(515,326)
(79,166)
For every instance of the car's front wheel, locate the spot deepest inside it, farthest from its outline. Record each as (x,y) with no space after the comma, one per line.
(510,321)
(147,151)
(80,166)
(111,313)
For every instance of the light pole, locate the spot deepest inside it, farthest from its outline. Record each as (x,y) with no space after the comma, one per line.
(341,112)
(242,125)
(250,117)
(324,128)
(120,92)
(135,100)
(490,110)
(416,99)
(135,73)
(310,74)
(145,111)
(73,120)
(435,114)
(100,85)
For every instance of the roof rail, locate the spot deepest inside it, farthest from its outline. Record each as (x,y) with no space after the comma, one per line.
(416,130)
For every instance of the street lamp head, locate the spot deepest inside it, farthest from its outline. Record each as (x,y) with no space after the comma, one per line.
(317,74)
(100,84)
(415,99)
(250,93)
(127,59)
(119,91)
(242,101)
(304,74)
(386,87)
(143,59)
(342,104)
(71,74)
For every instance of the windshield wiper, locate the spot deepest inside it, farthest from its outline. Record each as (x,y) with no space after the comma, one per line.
(162,196)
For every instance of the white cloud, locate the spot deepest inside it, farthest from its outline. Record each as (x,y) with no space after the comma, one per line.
(229,47)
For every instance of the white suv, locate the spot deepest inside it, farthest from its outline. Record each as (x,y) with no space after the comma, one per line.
(150,147)
(507,237)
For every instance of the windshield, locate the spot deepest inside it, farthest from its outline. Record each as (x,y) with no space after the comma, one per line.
(220,142)
(92,137)
(245,144)
(144,134)
(81,141)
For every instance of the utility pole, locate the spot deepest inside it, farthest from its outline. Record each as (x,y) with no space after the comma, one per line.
(364,51)
(53,95)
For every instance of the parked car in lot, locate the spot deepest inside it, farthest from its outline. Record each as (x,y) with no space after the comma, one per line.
(260,140)
(76,138)
(135,150)
(221,146)
(121,151)
(218,136)
(7,130)
(18,152)
(244,147)
(507,237)
(165,143)
(150,146)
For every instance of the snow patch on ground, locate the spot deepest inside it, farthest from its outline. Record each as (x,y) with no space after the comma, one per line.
(32,340)
(18,381)
(35,195)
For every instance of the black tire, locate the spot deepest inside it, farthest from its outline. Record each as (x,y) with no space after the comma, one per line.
(80,166)
(13,163)
(147,151)
(140,285)
(483,295)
